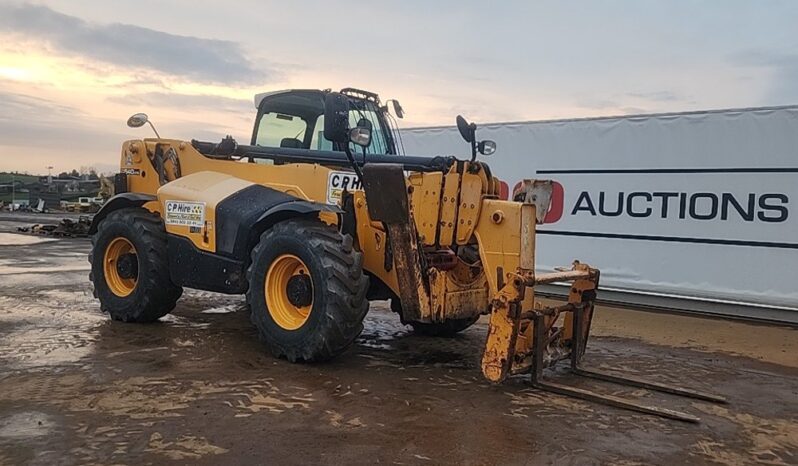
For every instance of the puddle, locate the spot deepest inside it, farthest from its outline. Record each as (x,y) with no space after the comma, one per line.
(185,447)
(46,347)
(179,321)
(380,331)
(26,425)
(222,309)
(50,328)
(14,239)
(337,420)
(144,398)
(10,270)
(772,440)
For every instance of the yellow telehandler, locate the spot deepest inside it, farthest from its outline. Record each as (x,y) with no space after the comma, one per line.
(320,214)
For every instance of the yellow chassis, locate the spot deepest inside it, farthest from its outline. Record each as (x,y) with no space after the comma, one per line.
(447,211)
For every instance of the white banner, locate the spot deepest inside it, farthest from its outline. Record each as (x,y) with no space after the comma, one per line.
(696,204)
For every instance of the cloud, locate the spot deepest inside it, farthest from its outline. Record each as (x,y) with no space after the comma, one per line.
(770,58)
(629,102)
(192,58)
(597,103)
(14,106)
(187,101)
(783,86)
(36,132)
(656,96)
(28,121)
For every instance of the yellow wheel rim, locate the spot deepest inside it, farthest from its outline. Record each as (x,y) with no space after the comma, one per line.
(289,292)
(120,265)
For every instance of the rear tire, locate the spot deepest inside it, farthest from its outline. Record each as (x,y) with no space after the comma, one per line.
(316,302)
(130,266)
(447,328)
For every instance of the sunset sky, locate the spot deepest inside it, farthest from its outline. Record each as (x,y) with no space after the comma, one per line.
(71,72)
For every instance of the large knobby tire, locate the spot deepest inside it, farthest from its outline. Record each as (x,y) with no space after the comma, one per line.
(448,328)
(130,266)
(307,290)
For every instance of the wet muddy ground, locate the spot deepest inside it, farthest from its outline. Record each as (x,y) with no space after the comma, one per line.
(198,387)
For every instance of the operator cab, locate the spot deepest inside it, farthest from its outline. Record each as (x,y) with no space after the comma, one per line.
(295,119)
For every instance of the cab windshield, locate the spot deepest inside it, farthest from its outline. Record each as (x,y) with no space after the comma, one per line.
(296,120)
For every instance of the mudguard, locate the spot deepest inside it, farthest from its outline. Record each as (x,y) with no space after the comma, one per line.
(243,216)
(120,201)
(240,218)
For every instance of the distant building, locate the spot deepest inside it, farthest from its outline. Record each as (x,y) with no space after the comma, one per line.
(52,190)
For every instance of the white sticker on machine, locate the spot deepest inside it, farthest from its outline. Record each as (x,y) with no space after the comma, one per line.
(190,214)
(337,182)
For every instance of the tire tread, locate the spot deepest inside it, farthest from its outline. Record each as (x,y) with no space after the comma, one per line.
(346,285)
(159,295)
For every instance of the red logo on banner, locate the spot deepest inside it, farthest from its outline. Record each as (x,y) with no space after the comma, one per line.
(555,206)
(557,203)
(504,191)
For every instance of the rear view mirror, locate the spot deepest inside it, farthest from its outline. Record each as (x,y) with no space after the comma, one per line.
(397,109)
(486,147)
(360,136)
(467,130)
(138,120)
(336,118)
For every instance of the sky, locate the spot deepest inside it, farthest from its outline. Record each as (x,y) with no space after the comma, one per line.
(71,72)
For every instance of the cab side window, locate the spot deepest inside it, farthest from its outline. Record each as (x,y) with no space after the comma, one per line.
(281,130)
(367,115)
(318,142)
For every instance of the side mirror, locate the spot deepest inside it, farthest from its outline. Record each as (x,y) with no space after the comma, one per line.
(138,120)
(397,109)
(336,118)
(486,147)
(467,130)
(360,136)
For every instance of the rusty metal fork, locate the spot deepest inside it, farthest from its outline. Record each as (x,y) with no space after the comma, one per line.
(577,349)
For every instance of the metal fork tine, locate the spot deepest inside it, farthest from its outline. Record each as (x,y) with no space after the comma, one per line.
(577,347)
(614,401)
(635,382)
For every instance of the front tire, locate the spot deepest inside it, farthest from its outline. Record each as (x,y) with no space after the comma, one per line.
(130,267)
(307,290)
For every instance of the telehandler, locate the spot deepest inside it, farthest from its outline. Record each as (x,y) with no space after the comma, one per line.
(320,214)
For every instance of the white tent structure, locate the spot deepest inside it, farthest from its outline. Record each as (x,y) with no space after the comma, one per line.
(693,211)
